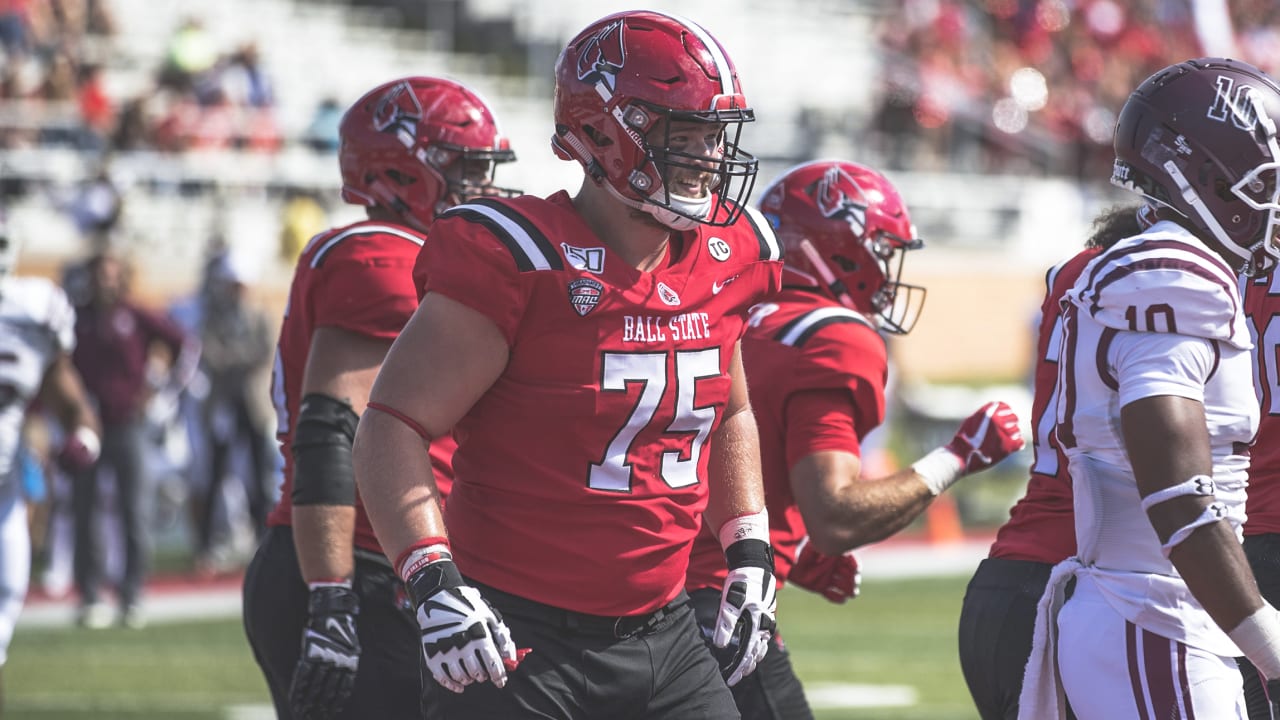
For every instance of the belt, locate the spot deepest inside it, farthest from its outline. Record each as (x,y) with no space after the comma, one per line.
(618,627)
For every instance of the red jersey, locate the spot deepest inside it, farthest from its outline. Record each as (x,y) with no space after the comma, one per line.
(360,279)
(801,345)
(1041,526)
(581,474)
(1262,311)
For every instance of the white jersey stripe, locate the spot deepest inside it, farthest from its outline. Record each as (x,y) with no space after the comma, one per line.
(805,322)
(765,231)
(362,230)
(523,240)
(717,52)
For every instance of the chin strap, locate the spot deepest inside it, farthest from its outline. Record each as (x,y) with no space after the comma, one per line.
(829,278)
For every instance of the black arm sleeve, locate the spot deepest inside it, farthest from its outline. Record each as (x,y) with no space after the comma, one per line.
(322,471)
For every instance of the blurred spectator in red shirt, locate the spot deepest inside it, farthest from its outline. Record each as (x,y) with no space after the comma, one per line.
(115,345)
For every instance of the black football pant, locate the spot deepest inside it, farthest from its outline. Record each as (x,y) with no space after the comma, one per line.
(997,622)
(275,611)
(588,667)
(772,691)
(1263,552)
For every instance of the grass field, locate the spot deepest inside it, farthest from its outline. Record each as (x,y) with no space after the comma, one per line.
(900,633)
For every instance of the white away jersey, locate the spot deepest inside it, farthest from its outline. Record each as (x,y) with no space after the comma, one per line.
(1157,314)
(36,324)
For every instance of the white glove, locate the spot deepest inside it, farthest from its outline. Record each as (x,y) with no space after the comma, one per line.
(747,606)
(463,638)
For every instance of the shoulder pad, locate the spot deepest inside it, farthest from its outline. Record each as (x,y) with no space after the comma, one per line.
(526,242)
(797,332)
(1163,282)
(765,238)
(44,303)
(327,244)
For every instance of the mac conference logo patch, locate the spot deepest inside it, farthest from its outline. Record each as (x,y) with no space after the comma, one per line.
(585,294)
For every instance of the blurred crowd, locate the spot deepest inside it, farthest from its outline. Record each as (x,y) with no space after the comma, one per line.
(188,464)
(965,85)
(55,89)
(1033,85)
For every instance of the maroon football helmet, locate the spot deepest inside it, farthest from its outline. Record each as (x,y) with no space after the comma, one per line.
(624,79)
(845,231)
(418,146)
(1200,137)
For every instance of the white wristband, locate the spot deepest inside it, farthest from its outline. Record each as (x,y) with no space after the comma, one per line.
(755,525)
(1258,637)
(89,439)
(939,469)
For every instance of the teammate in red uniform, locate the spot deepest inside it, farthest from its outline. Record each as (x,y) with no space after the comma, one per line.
(816,365)
(1262,529)
(999,609)
(586,348)
(324,612)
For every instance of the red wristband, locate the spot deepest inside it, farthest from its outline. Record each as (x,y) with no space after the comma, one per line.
(406,562)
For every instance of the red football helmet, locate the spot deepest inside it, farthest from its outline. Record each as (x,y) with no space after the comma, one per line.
(624,79)
(845,230)
(1200,137)
(418,146)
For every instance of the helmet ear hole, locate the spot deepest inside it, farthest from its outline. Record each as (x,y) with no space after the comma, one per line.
(400,178)
(597,137)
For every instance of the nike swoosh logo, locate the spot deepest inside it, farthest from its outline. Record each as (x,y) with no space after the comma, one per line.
(716,287)
(337,628)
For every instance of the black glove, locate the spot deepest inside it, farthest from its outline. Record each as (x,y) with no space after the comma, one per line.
(326,670)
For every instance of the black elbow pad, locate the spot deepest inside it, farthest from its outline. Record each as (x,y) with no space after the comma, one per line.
(322,471)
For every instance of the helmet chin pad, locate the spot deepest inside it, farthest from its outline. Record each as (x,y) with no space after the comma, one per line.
(681,213)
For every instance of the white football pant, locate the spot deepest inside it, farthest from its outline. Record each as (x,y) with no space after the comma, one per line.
(1112,669)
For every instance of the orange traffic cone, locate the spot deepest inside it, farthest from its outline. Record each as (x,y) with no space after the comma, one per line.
(942,521)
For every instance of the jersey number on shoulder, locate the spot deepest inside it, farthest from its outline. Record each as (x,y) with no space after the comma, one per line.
(1156,318)
(649,370)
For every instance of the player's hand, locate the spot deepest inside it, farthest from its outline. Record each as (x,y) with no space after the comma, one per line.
(326,669)
(986,437)
(747,606)
(79,451)
(464,640)
(834,577)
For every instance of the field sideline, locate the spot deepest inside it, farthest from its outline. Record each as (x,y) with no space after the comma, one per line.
(895,646)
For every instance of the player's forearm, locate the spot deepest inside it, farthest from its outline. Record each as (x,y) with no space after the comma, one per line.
(323,537)
(1213,565)
(736,486)
(396,484)
(843,511)
(877,509)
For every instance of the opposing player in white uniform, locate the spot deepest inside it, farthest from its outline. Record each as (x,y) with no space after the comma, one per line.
(37,332)
(1156,411)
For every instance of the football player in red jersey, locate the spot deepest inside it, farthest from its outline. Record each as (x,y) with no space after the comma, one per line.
(1156,410)
(1262,529)
(999,610)
(585,351)
(817,368)
(324,611)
